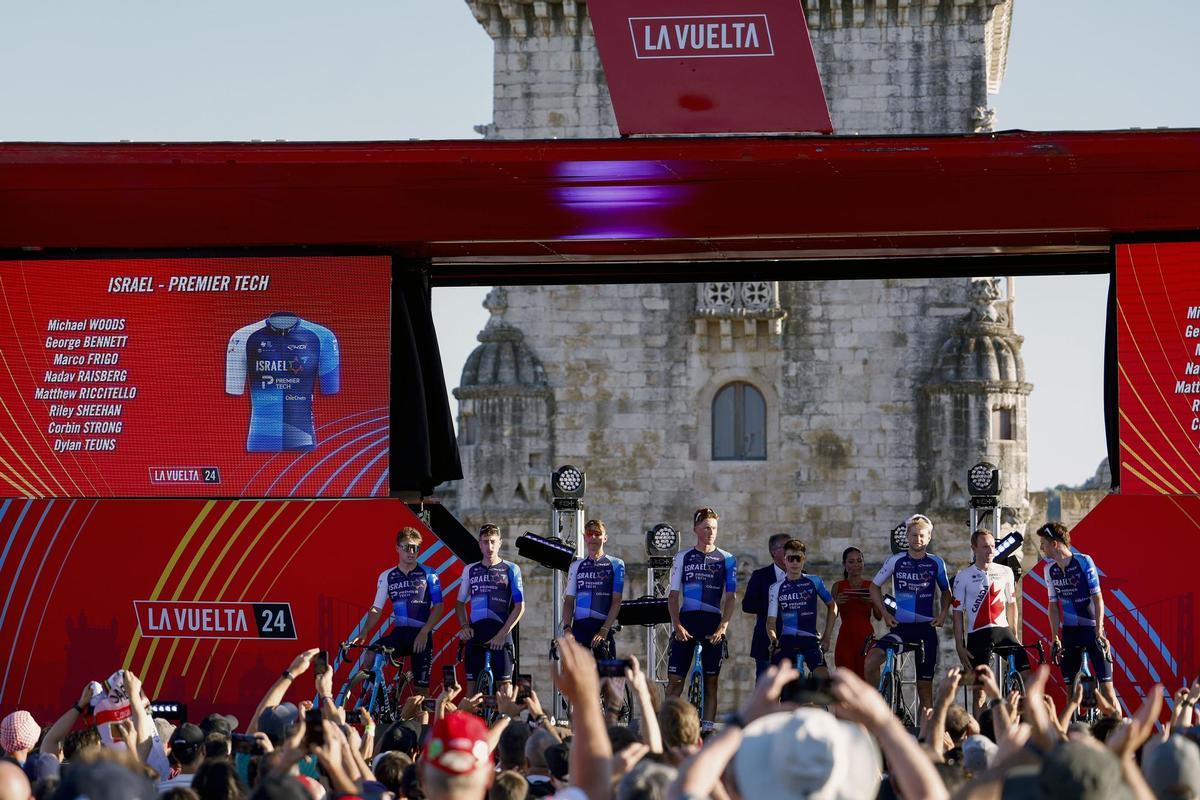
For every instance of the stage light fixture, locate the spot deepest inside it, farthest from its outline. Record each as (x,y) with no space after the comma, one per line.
(549,552)
(983,480)
(899,538)
(568,483)
(662,543)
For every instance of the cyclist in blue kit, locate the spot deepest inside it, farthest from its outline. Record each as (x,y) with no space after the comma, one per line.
(414,592)
(701,602)
(490,603)
(1073,581)
(792,613)
(592,598)
(915,575)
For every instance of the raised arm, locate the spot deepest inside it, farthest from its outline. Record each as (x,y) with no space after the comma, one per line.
(591,751)
(52,741)
(274,695)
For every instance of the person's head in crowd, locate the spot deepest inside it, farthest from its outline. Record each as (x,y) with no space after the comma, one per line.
(1054,540)
(19,733)
(400,738)
(165,731)
(1103,728)
(217,779)
(648,780)
(919,530)
(408,545)
(535,751)
(389,769)
(179,793)
(852,563)
(280,787)
(806,752)
(187,747)
(960,724)
(704,524)
(1173,769)
(80,743)
(217,745)
(1077,770)
(775,548)
(794,554)
(456,761)
(978,752)
(489,542)
(621,737)
(679,722)
(510,751)
(558,761)
(13,783)
(509,785)
(104,779)
(410,783)
(276,721)
(987,725)
(47,785)
(952,775)
(219,723)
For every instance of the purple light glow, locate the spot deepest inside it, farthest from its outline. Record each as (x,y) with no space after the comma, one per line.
(618,199)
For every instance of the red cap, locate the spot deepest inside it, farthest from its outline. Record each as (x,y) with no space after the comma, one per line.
(457,743)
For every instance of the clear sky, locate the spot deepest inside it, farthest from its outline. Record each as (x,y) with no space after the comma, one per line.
(77,70)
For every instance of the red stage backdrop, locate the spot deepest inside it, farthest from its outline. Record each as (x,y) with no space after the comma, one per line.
(1142,547)
(206,600)
(230,377)
(1158,339)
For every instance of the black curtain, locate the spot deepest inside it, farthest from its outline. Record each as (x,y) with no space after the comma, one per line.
(1111,411)
(424,452)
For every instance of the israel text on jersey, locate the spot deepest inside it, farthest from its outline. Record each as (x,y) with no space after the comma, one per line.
(412,594)
(913,582)
(594,583)
(702,579)
(793,605)
(1074,586)
(285,359)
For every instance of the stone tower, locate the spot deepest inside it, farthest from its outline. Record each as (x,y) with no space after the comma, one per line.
(826,409)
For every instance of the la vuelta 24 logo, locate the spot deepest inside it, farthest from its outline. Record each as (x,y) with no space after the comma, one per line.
(214,620)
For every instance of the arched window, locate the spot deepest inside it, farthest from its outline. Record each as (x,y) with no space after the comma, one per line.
(739,423)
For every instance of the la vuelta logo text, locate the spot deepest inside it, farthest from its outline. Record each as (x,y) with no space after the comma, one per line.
(715,36)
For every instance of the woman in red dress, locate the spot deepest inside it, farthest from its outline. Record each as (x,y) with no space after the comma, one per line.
(853,597)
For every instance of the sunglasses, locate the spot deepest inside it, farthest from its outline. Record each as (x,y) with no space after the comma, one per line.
(593,534)
(795,559)
(412,548)
(703,514)
(1050,533)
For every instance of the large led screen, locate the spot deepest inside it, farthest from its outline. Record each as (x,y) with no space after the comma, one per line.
(252,377)
(1158,344)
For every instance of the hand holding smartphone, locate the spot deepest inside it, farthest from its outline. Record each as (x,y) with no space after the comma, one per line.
(321,662)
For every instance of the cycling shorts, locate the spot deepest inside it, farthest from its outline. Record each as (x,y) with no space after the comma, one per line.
(585,630)
(804,646)
(402,640)
(711,654)
(983,642)
(915,632)
(502,660)
(1076,640)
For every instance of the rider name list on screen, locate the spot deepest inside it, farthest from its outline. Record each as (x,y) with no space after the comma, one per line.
(255,377)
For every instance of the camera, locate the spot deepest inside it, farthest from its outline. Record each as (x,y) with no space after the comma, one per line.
(1089,691)
(246,743)
(808,690)
(449,679)
(524,684)
(613,667)
(314,733)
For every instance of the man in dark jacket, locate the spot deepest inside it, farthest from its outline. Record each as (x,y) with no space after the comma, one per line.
(755,601)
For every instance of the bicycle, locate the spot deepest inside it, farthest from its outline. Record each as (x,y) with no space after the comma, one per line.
(485,683)
(1006,666)
(380,698)
(604,650)
(1087,711)
(891,681)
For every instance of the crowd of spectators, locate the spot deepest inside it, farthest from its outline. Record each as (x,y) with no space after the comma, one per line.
(1021,746)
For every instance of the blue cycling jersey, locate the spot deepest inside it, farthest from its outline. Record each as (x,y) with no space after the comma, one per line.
(913,580)
(412,594)
(1074,586)
(793,604)
(702,579)
(490,593)
(285,359)
(594,583)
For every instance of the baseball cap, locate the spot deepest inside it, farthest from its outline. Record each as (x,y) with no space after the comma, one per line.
(807,753)
(457,744)
(400,738)
(104,780)
(186,736)
(1173,768)
(978,752)
(1077,769)
(219,723)
(19,731)
(165,729)
(276,720)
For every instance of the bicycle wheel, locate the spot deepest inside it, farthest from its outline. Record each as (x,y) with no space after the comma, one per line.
(695,692)
(486,685)
(893,695)
(1013,683)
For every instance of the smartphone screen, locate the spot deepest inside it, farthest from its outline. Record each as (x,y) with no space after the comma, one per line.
(314,734)
(448,678)
(524,686)
(321,662)
(1089,692)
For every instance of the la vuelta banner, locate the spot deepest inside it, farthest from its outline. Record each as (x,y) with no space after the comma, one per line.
(207,601)
(1158,341)
(241,377)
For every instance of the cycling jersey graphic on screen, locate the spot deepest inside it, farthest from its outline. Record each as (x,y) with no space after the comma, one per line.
(285,358)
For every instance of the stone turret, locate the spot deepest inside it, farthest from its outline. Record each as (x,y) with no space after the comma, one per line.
(888,66)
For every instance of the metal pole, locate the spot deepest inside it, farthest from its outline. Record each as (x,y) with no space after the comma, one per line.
(566,524)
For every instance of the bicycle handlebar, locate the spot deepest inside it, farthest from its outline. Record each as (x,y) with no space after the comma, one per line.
(379,649)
